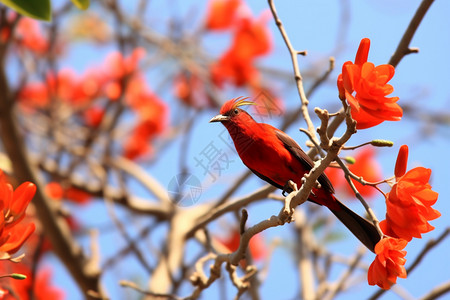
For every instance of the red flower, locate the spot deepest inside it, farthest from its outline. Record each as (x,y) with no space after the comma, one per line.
(229,68)
(57,192)
(15,237)
(43,288)
(13,205)
(408,204)
(113,90)
(39,287)
(190,89)
(77,195)
(93,116)
(256,244)
(251,39)
(365,88)
(365,166)
(87,87)
(388,264)
(136,145)
(34,95)
(221,14)
(152,115)
(118,66)
(66,86)
(54,190)
(30,36)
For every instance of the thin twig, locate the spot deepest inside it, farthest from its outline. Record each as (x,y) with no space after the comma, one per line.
(403,47)
(340,283)
(437,291)
(133,286)
(429,246)
(297,75)
(368,209)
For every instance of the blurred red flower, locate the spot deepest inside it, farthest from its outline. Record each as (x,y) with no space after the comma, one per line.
(78,196)
(221,14)
(365,88)
(37,286)
(256,245)
(65,86)
(43,288)
(57,192)
(152,115)
(93,116)
(117,66)
(408,204)
(54,190)
(29,35)
(251,39)
(34,95)
(190,89)
(388,264)
(365,166)
(237,71)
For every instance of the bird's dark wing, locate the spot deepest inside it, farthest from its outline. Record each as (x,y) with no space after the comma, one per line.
(303,158)
(266,179)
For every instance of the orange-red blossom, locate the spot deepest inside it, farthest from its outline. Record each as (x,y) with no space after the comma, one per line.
(408,210)
(365,87)
(221,14)
(388,264)
(408,204)
(12,210)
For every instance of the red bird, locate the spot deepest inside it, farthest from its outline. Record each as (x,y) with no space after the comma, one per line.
(276,158)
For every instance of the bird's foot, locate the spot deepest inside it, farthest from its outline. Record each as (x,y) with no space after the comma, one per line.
(289,187)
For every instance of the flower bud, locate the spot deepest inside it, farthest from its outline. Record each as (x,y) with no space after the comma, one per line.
(402,161)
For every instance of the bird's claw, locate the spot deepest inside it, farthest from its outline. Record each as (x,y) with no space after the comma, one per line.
(289,187)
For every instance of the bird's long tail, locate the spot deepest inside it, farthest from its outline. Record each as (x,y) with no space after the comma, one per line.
(364,230)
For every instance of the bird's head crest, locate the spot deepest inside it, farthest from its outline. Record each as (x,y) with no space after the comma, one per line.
(235,103)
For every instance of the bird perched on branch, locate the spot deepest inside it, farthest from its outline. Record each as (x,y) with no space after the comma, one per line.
(276,158)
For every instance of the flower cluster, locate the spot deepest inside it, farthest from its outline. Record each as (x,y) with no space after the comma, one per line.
(408,205)
(118,77)
(250,40)
(365,87)
(408,212)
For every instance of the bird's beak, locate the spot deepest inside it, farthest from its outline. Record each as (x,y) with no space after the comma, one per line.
(219,118)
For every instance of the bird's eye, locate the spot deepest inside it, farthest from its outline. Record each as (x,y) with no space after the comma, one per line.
(236,111)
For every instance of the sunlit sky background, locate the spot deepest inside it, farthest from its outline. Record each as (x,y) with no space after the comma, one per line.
(421,80)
